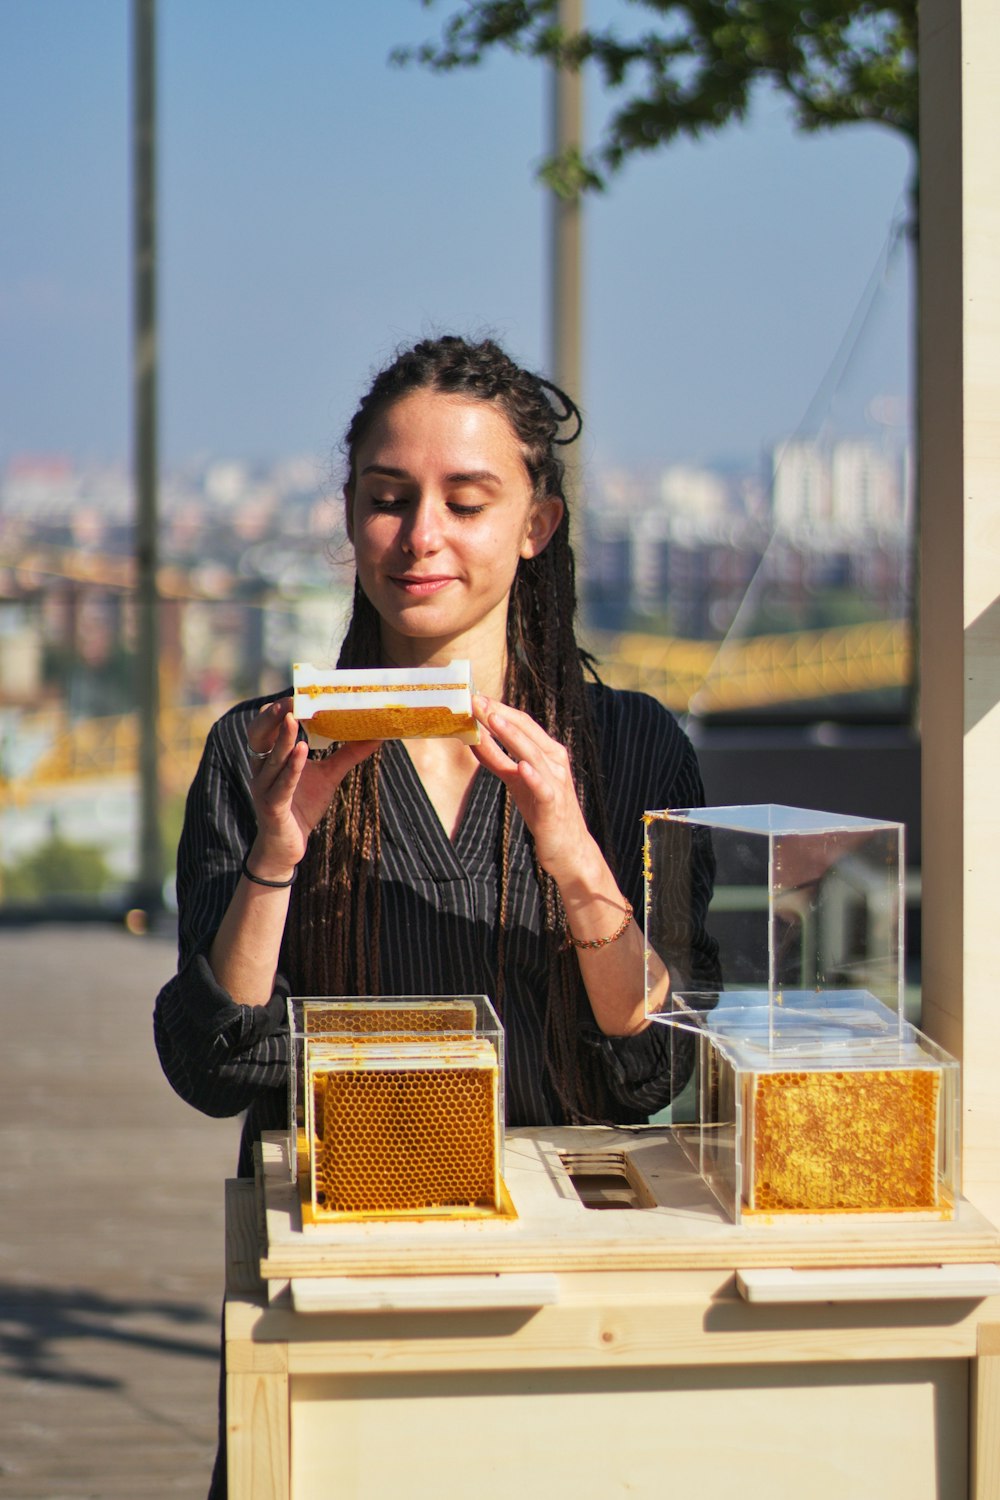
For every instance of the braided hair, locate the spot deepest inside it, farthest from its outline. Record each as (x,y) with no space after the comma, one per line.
(333,934)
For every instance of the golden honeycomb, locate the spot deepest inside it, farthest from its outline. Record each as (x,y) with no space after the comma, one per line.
(394,722)
(375,1022)
(825,1141)
(405,1133)
(335,689)
(388,1020)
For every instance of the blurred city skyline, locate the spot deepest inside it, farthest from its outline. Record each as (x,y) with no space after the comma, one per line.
(318,206)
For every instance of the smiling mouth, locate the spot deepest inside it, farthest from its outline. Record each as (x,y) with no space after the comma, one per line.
(420,585)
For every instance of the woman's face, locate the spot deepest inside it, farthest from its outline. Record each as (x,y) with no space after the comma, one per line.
(440,515)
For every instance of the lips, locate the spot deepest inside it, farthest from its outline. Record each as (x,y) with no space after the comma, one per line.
(420,585)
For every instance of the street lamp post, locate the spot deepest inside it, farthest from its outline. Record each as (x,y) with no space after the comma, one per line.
(149,885)
(565,257)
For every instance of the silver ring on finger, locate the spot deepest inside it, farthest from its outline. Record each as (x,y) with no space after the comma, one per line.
(258,755)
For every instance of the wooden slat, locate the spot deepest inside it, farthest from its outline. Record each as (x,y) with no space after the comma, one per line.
(781,1285)
(321,1294)
(985,1413)
(555,1232)
(243,1241)
(636,1320)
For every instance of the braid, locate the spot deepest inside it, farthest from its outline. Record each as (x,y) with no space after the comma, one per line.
(334,931)
(336,907)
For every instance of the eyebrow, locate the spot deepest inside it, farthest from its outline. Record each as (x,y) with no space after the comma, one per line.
(462,476)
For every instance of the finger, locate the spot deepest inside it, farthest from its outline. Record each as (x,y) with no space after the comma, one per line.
(514,722)
(529,786)
(269,752)
(524,739)
(314,783)
(328,771)
(540,786)
(262,731)
(491,710)
(348,755)
(491,754)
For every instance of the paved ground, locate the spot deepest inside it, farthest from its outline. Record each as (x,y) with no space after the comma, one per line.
(111,1242)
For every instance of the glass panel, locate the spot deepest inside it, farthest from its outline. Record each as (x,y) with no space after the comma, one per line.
(797,900)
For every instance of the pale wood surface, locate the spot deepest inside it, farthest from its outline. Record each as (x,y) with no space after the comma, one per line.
(630,1323)
(555,1232)
(959,403)
(945,1283)
(781,1434)
(111,1230)
(257,1434)
(985,1406)
(323,1294)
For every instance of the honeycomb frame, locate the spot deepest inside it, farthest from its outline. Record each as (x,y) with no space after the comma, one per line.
(429,1139)
(861,1140)
(402,1130)
(871,1127)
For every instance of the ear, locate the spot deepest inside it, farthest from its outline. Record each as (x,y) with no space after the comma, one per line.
(349,513)
(542,525)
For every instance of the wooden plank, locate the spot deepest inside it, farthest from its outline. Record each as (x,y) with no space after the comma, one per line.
(985,1413)
(257,1424)
(637,1320)
(554,1231)
(828,1434)
(323,1294)
(243,1241)
(772,1284)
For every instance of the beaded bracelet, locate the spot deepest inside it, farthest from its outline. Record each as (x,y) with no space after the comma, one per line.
(571,941)
(274,885)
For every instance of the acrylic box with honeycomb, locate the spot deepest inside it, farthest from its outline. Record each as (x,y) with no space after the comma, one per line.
(811,1091)
(396,1106)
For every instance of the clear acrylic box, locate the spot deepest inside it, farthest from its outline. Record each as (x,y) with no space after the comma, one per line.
(811,1093)
(396,1105)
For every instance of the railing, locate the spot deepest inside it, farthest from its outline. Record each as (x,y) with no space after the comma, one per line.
(706,676)
(688,676)
(107,748)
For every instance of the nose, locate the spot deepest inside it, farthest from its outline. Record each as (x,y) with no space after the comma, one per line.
(421,535)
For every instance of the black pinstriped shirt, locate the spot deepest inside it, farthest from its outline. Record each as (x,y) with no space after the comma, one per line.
(439,907)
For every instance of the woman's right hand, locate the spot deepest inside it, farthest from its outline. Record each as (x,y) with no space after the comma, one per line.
(290,792)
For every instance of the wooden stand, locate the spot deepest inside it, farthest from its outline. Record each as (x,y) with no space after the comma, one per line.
(597,1353)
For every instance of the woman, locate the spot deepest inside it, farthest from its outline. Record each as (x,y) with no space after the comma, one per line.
(511,868)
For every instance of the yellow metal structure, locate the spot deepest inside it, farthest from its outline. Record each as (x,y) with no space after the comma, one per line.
(702,677)
(106,748)
(688,676)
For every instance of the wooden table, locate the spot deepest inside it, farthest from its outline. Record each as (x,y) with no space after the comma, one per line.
(594,1354)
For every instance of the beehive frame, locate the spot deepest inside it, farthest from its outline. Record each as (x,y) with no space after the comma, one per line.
(813,1093)
(396,1105)
(864,1130)
(399,1130)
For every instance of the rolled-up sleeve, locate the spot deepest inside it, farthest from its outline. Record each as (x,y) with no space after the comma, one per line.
(651,764)
(218,1055)
(644,1072)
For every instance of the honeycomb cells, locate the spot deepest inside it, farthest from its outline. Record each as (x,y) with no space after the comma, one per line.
(862,1139)
(405,1135)
(394,721)
(401,1021)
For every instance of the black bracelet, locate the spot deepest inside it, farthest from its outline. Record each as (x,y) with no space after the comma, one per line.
(274,885)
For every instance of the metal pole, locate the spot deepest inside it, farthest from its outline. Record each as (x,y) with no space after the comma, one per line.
(149,888)
(565,259)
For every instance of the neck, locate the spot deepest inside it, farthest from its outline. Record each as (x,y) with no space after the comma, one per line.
(485,648)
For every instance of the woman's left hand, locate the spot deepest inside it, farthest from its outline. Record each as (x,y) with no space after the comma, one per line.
(536,770)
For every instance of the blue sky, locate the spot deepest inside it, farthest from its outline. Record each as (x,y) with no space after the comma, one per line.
(318,206)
